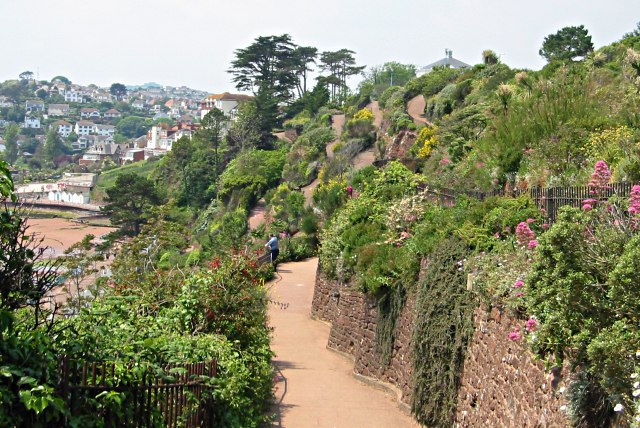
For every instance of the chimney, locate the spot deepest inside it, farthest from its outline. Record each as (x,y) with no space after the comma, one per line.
(450,53)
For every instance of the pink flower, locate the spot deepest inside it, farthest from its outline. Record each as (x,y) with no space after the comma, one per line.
(600,178)
(587,207)
(531,324)
(515,335)
(524,233)
(532,244)
(530,220)
(519,294)
(518,284)
(634,200)
(445,161)
(545,226)
(497,235)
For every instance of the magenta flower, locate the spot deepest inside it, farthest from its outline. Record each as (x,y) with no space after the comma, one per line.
(518,284)
(524,233)
(600,178)
(532,244)
(634,201)
(515,335)
(587,207)
(531,325)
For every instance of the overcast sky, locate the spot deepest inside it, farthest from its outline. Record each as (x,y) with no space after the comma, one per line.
(191,42)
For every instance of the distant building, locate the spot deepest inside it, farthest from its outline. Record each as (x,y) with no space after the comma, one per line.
(34,105)
(73,96)
(112,114)
(89,113)
(31,122)
(102,151)
(448,61)
(105,130)
(63,128)
(225,102)
(84,127)
(5,101)
(58,110)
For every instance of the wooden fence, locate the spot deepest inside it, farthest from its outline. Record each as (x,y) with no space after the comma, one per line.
(178,398)
(551,198)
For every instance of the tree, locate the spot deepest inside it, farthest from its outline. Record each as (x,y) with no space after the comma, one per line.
(133,126)
(118,90)
(53,145)
(303,56)
(11,143)
(245,131)
(267,68)
(489,57)
(61,79)
(391,73)
(26,75)
(211,129)
(567,44)
(341,65)
(128,201)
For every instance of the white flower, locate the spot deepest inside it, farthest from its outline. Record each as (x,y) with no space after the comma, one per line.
(634,375)
(636,384)
(562,389)
(563,408)
(619,408)
(636,393)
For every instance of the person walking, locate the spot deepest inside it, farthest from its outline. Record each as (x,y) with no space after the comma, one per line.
(272,244)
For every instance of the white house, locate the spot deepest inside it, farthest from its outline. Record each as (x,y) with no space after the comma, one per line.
(105,130)
(448,61)
(84,127)
(31,122)
(138,104)
(225,102)
(64,128)
(73,96)
(89,113)
(5,101)
(58,110)
(34,105)
(112,114)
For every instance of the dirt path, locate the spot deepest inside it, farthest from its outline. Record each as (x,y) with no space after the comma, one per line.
(337,123)
(316,387)
(415,108)
(377,114)
(256,216)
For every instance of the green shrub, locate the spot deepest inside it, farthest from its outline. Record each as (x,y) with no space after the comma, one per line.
(442,332)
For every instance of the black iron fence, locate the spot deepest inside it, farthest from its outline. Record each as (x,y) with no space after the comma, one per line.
(548,198)
(177,397)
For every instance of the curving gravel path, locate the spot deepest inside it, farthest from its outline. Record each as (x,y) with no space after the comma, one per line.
(316,387)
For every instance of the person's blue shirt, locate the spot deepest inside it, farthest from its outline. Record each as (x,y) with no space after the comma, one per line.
(273,243)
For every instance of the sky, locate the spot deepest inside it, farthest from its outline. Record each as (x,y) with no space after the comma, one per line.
(192,42)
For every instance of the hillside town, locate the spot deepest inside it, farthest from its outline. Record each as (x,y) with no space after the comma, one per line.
(100,125)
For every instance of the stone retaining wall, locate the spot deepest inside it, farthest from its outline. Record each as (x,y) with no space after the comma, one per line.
(501,385)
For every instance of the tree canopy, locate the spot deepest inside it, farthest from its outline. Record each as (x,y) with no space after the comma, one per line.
(128,201)
(567,44)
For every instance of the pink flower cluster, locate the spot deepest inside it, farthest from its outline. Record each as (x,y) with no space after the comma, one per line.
(518,284)
(525,235)
(600,178)
(634,201)
(530,326)
(515,335)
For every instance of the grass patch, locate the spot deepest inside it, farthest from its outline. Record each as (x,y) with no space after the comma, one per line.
(108,178)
